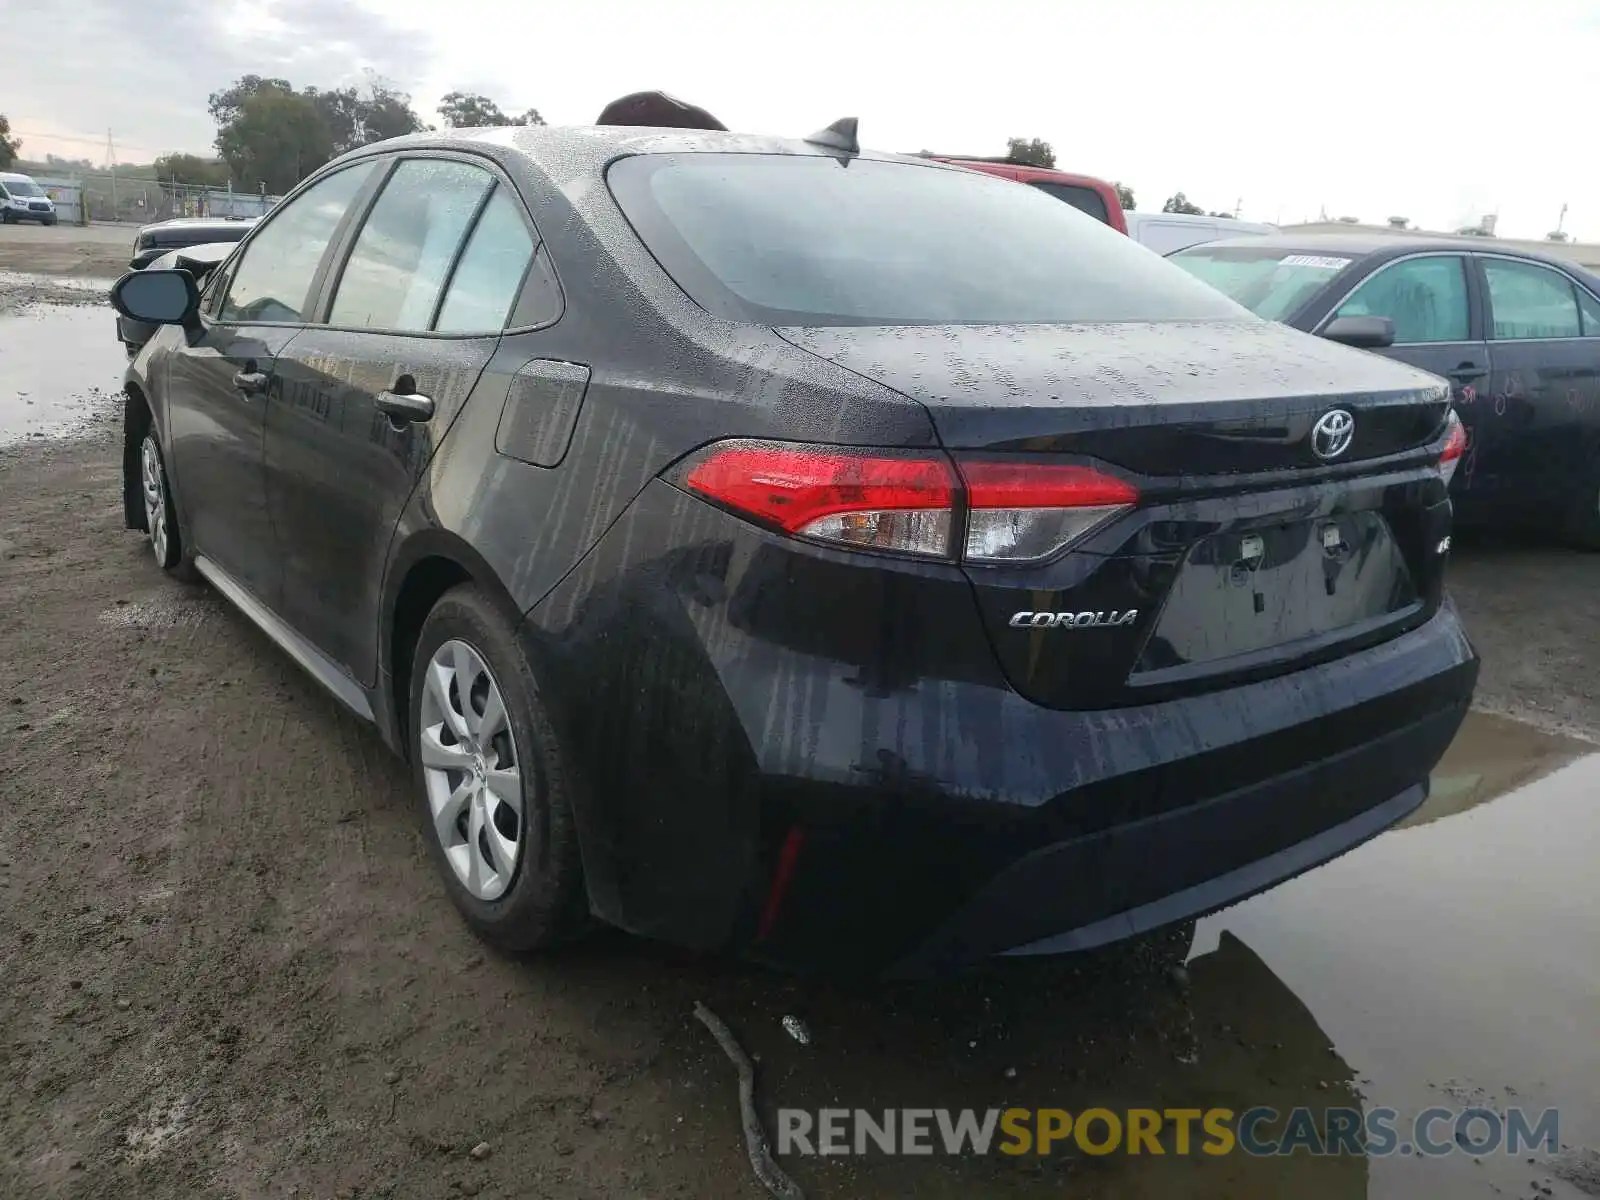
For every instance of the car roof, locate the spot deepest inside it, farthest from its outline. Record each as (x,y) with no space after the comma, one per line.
(1360,245)
(4,175)
(596,145)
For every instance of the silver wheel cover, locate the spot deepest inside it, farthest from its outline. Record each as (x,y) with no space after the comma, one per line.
(471,771)
(154,483)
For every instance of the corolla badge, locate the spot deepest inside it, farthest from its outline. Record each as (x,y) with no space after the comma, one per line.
(1066,620)
(1332,434)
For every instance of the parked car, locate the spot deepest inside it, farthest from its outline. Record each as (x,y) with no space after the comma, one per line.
(1167,232)
(1518,334)
(834,557)
(154,240)
(21,199)
(1084,192)
(199,261)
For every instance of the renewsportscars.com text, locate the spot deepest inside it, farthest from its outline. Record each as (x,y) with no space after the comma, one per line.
(1261,1131)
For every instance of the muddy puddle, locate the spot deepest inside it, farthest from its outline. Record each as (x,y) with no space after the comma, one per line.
(1451,962)
(60,368)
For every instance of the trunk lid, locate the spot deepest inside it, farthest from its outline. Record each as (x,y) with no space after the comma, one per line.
(1248,553)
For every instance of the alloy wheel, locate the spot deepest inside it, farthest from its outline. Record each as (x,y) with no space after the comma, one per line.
(470,769)
(155,497)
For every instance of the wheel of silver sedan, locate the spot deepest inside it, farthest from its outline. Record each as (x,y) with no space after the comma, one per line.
(470,769)
(154,480)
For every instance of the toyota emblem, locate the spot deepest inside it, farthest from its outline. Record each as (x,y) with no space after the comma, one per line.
(1332,434)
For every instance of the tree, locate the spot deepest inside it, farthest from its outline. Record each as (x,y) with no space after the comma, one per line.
(275,138)
(8,144)
(386,112)
(191,168)
(1124,196)
(267,131)
(470,110)
(1033,152)
(1179,203)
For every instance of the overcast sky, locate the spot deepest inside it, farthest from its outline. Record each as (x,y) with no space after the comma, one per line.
(1435,110)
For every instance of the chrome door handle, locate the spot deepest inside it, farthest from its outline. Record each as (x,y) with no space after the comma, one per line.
(406,406)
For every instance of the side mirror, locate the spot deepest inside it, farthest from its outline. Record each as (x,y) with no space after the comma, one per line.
(1364,333)
(157,297)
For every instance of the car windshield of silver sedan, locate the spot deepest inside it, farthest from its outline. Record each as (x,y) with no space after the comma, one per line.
(816,240)
(1271,283)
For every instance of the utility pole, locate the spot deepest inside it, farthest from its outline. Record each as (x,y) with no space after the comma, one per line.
(1238,205)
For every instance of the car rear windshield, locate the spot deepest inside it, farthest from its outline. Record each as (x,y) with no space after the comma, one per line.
(21,187)
(1085,200)
(1270,282)
(819,240)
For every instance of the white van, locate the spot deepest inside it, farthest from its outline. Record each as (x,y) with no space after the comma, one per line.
(21,199)
(1166,233)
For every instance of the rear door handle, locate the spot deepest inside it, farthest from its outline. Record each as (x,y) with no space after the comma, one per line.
(406,406)
(1467,370)
(250,382)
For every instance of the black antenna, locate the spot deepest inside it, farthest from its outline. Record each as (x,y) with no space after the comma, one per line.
(841,135)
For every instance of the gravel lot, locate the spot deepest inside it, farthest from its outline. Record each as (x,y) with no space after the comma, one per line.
(227,969)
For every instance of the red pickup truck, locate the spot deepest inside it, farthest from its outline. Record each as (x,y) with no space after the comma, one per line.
(1085,193)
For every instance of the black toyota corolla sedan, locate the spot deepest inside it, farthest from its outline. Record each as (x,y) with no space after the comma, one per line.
(837,558)
(1518,333)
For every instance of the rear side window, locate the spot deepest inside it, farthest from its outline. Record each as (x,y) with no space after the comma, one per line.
(1530,301)
(491,270)
(816,240)
(403,255)
(1085,200)
(1426,298)
(272,281)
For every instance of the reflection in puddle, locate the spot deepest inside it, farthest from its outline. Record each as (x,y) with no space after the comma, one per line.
(1449,962)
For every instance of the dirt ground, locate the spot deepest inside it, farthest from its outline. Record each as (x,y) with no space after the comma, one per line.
(228,970)
(92,250)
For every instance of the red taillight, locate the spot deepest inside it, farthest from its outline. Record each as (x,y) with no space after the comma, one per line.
(910,503)
(1455,445)
(1023,512)
(858,498)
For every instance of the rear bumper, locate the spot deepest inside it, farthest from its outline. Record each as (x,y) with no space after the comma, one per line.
(813,758)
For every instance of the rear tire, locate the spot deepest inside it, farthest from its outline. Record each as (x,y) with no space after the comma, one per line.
(492,780)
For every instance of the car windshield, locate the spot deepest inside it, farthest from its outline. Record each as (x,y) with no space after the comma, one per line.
(818,240)
(1270,282)
(21,187)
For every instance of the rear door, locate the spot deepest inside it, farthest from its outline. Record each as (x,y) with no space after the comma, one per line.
(1536,424)
(412,316)
(221,383)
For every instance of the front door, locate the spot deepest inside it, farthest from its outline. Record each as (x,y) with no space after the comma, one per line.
(224,381)
(413,318)
(1432,301)
(1536,424)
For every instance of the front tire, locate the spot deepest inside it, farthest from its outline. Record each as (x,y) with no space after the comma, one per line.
(491,780)
(160,515)
(49,220)
(1583,522)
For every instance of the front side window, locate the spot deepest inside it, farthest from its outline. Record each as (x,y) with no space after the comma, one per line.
(1426,298)
(491,270)
(783,239)
(272,281)
(1530,301)
(1271,282)
(403,256)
